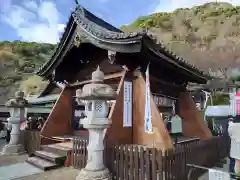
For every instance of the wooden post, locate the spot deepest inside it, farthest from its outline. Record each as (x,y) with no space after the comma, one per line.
(193,123)
(162,137)
(117,134)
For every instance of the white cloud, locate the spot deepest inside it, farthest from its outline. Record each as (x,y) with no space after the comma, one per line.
(174,4)
(4,5)
(32,21)
(61,28)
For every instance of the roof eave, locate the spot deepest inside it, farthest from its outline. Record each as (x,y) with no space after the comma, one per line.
(45,69)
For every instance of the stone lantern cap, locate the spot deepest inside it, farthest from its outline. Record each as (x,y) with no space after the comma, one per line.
(97,90)
(18,101)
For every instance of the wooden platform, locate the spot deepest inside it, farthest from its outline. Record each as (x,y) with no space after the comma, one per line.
(68,145)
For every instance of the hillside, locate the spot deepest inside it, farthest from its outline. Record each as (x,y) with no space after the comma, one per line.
(18,61)
(207,36)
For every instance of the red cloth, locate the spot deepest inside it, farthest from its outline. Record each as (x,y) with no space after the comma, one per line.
(238,103)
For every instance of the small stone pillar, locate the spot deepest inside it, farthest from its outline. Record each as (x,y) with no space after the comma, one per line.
(17,107)
(95,97)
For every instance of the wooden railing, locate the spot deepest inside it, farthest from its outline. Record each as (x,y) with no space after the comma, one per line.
(136,162)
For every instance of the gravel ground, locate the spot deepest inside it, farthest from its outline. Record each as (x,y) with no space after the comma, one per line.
(66,173)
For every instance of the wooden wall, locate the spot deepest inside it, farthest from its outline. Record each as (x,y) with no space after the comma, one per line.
(160,138)
(117,134)
(59,120)
(193,124)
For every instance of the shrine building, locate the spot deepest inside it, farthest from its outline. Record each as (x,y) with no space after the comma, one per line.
(89,41)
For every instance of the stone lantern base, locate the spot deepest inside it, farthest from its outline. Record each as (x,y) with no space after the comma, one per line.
(11,149)
(85,174)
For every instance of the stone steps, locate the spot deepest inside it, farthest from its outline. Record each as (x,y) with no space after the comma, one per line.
(42,163)
(56,148)
(49,157)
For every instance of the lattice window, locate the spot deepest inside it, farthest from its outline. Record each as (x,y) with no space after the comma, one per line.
(98,106)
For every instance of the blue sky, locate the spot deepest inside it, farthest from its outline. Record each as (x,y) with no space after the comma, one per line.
(44,20)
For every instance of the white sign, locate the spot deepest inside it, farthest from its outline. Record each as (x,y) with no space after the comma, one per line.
(235,149)
(176,126)
(147,116)
(163,101)
(127,105)
(218,175)
(79,113)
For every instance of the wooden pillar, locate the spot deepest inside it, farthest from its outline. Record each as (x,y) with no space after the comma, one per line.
(193,124)
(160,138)
(58,122)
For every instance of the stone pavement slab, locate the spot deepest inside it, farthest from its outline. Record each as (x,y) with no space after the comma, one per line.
(224,168)
(8,160)
(17,170)
(66,173)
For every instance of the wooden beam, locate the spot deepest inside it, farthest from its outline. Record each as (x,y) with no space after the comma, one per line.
(106,77)
(157,80)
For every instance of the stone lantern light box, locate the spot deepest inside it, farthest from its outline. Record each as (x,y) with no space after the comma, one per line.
(17,106)
(96,97)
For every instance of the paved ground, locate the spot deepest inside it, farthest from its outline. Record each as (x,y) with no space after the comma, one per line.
(18,170)
(58,174)
(8,160)
(15,164)
(225,169)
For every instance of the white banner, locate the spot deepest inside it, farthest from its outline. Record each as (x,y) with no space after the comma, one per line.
(232,104)
(147,117)
(127,105)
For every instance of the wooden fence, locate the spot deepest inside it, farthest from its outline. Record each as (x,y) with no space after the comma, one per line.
(135,162)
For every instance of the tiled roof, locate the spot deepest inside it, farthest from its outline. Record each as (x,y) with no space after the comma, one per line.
(103,31)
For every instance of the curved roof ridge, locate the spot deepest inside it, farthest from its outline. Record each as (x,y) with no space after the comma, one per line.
(101,31)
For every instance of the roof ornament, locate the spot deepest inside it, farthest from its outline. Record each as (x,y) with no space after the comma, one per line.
(97,76)
(77,4)
(111,56)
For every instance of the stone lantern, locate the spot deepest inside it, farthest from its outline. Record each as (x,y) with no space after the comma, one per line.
(17,107)
(95,97)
